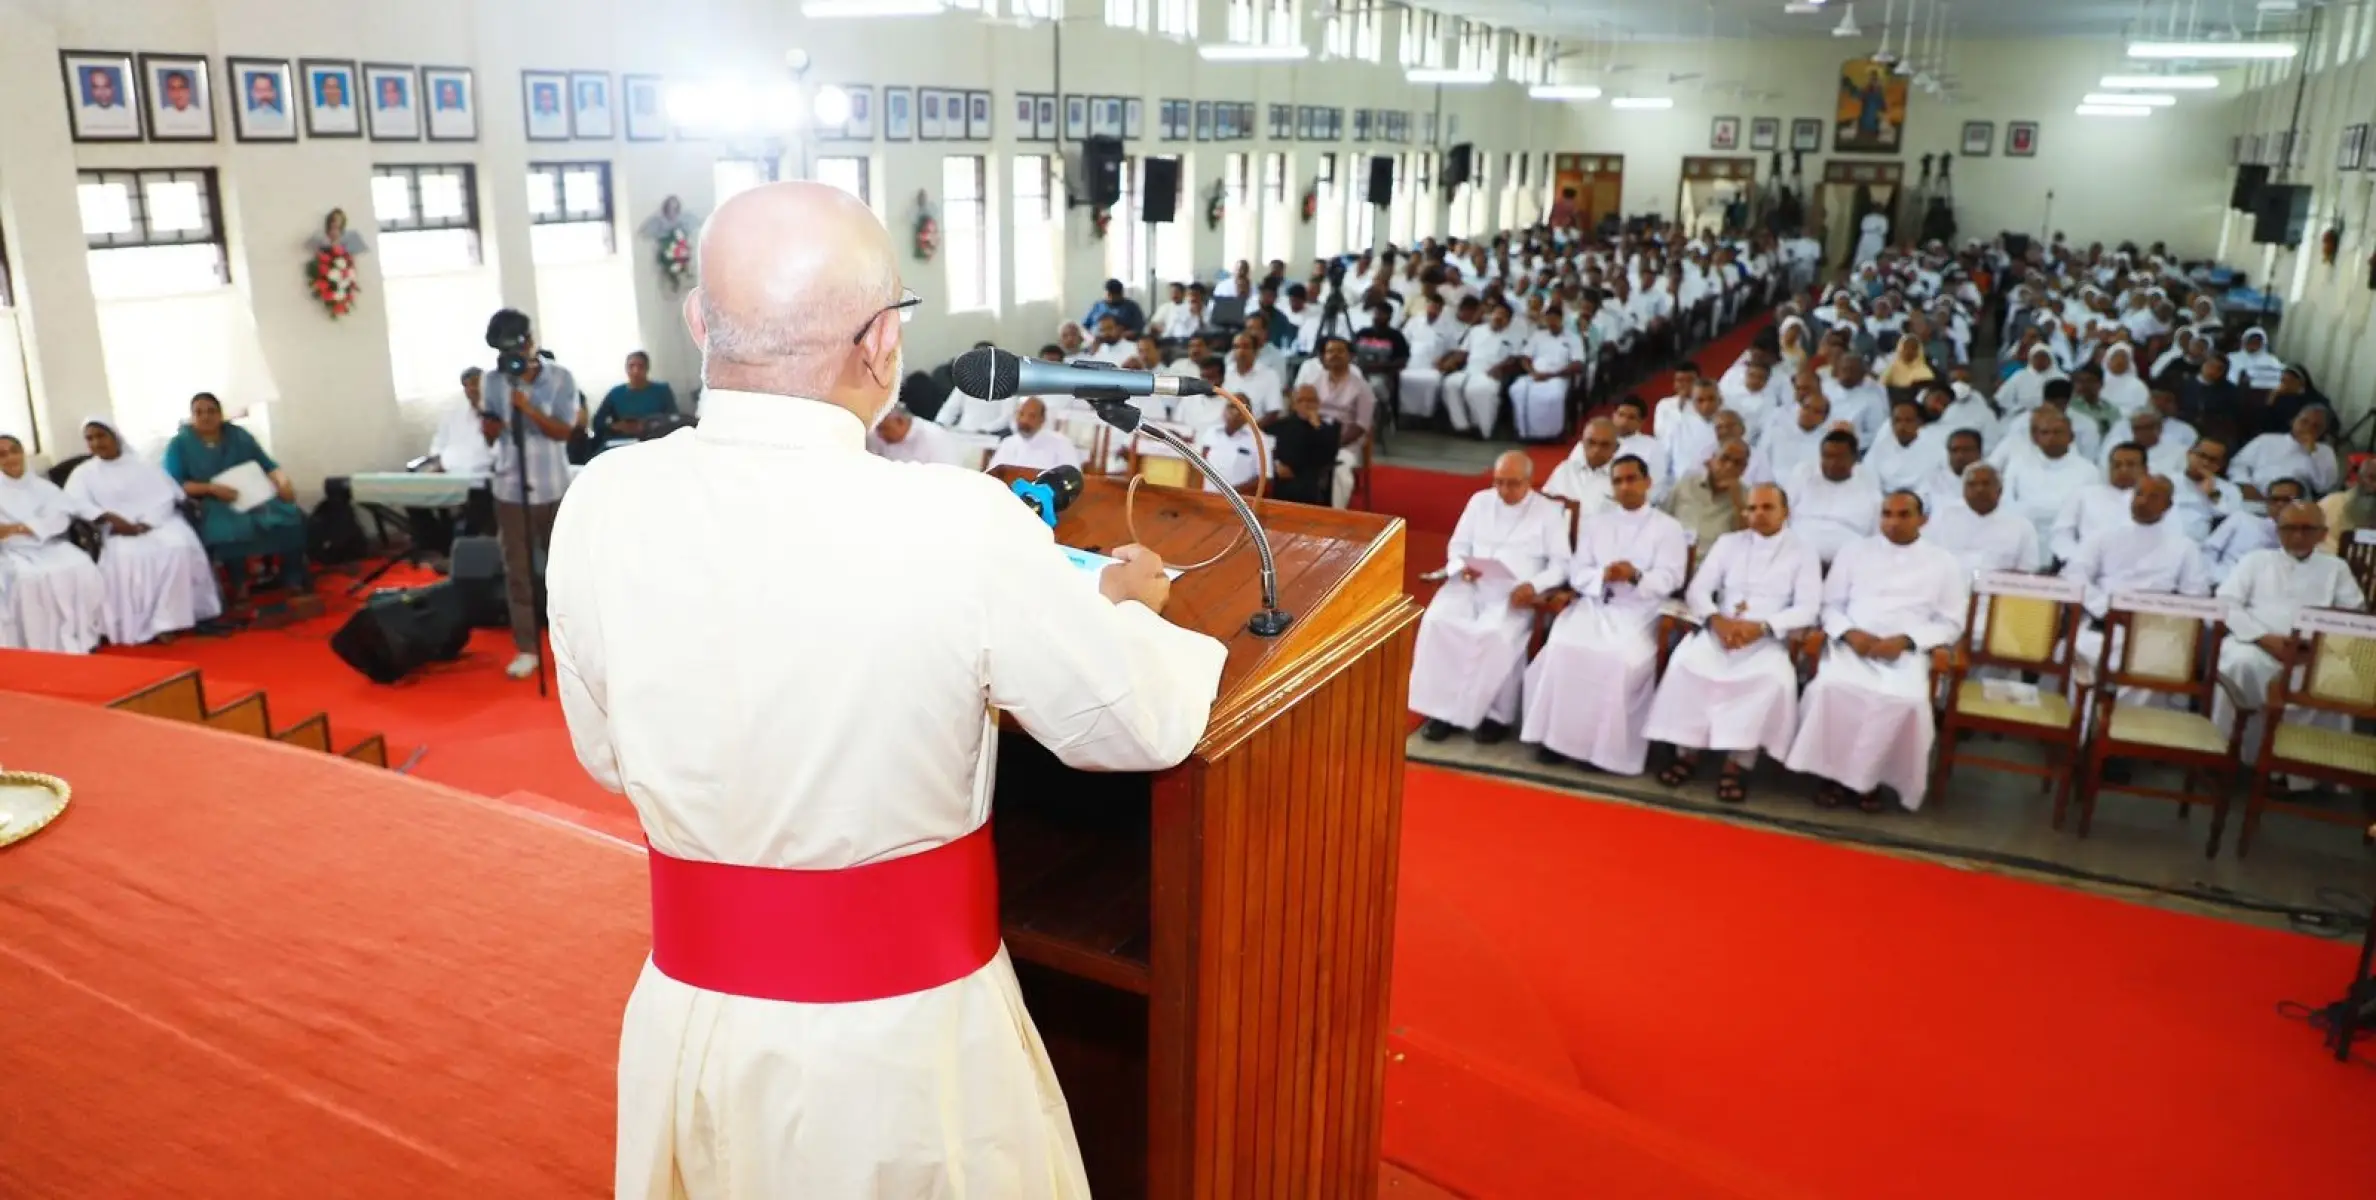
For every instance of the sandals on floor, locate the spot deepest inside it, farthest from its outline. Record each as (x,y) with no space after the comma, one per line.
(1732,787)
(1830,795)
(1679,772)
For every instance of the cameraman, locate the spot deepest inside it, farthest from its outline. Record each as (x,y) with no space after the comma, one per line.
(536,401)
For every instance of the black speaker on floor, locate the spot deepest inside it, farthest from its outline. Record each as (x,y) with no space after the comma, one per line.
(478,581)
(2250,179)
(1381,181)
(396,633)
(2282,215)
(1101,171)
(1159,191)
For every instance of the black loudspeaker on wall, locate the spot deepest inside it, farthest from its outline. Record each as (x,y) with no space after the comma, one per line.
(1101,171)
(2250,179)
(1159,191)
(1456,164)
(2282,216)
(396,633)
(1381,181)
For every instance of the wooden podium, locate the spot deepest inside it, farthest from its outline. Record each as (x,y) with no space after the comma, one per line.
(1205,949)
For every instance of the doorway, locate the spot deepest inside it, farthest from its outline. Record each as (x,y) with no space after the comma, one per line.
(1716,195)
(1598,181)
(1849,191)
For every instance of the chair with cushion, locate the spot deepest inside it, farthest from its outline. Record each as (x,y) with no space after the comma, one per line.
(2167,646)
(2016,625)
(1164,469)
(2335,679)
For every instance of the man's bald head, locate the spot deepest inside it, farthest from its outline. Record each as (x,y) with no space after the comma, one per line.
(1030,415)
(796,279)
(1513,476)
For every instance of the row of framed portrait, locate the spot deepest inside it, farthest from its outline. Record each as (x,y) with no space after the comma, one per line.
(1979,139)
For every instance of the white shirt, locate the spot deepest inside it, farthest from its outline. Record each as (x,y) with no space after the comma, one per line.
(1236,455)
(2274,456)
(1831,514)
(1589,486)
(1201,413)
(1866,406)
(1916,591)
(2087,441)
(1036,452)
(459,447)
(2037,486)
(1788,447)
(2162,458)
(2090,512)
(856,725)
(2267,592)
(1653,454)
(2237,538)
(1179,324)
(1689,438)
(2000,541)
(1487,347)
(1652,542)
(972,414)
(1117,352)
(925,443)
(1260,387)
(1550,351)
(1529,537)
(2139,558)
(1969,411)
(1899,466)
(2197,513)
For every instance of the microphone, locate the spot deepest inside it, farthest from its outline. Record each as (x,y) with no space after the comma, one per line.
(1050,492)
(993,374)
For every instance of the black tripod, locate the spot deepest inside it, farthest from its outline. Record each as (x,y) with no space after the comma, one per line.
(536,598)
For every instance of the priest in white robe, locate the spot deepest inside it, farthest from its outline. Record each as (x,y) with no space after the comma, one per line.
(2143,429)
(1909,454)
(1756,393)
(1689,433)
(1833,501)
(2265,596)
(1732,686)
(1588,693)
(2037,485)
(1866,721)
(1033,446)
(1583,476)
(1953,406)
(788,734)
(1790,445)
(1634,441)
(2150,554)
(903,438)
(159,581)
(53,594)
(1511,545)
(2299,453)
(1978,530)
(2096,508)
(2239,536)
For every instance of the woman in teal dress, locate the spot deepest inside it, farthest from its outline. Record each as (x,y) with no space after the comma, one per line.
(197,456)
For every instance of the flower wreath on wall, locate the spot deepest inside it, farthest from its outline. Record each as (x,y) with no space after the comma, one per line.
(330,273)
(1099,218)
(1311,203)
(1216,205)
(676,257)
(926,229)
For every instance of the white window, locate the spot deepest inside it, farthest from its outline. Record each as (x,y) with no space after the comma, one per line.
(1176,18)
(1329,214)
(1398,216)
(427,217)
(1126,14)
(1240,220)
(1278,209)
(965,230)
(1282,28)
(1423,198)
(431,266)
(1336,36)
(1361,220)
(1038,222)
(1369,45)
(1528,57)
(1478,47)
(851,173)
(1175,249)
(1422,38)
(1126,238)
(569,212)
(151,233)
(1245,20)
(732,177)
(1511,170)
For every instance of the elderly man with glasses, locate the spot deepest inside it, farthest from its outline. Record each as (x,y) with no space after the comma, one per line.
(2265,596)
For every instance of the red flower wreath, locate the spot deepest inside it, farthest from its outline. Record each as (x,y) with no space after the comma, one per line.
(331,275)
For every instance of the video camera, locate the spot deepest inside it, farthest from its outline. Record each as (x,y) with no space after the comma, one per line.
(509,335)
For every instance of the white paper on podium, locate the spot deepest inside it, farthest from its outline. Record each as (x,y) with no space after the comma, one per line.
(1492,570)
(1093,565)
(254,487)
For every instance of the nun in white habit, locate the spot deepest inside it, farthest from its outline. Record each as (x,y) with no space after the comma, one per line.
(159,581)
(2027,388)
(54,597)
(2252,365)
(2124,389)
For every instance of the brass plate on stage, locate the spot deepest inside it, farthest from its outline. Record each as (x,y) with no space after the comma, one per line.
(28,802)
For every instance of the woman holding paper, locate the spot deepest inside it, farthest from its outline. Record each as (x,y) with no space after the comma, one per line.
(246,504)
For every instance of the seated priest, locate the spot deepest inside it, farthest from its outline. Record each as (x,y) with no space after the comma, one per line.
(2147,554)
(1908,455)
(196,458)
(2301,453)
(1583,476)
(2097,508)
(1709,501)
(1866,721)
(1588,693)
(52,596)
(1510,545)
(2039,483)
(1732,687)
(1978,530)
(2206,498)
(1232,446)
(1627,416)
(159,581)
(900,437)
(1033,446)
(1791,444)
(2265,596)
(637,407)
(2240,535)
(1303,463)
(1689,433)
(1944,489)
(1955,406)
(1834,502)
(2144,428)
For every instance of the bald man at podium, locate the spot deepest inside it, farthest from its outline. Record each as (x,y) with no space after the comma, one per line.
(805,721)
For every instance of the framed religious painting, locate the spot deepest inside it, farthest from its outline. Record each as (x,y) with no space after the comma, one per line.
(1765,133)
(1871,114)
(391,111)
(329,86)
(2021,139)
(452,97)
(590,115)
(1806,135)
(181,104)
(102,96)
(1724,133)
(899,114)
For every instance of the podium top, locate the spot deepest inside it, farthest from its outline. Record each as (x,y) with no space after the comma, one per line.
(1340,576)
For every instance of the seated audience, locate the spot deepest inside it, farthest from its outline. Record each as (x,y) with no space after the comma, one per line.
(2265,596)
(2143,428)
(2039,483)
(1791,445)
(1953,406)
(1632,442)
(1254,381)
(1554,365)
(1866,721)
(2096,508)
(1203,413)
(1833,501)
(1348,401)
(2205,498)
(1471,654)
(634,408)
(1587,694)
(1233,447)
(2148,554)
(1979,532)
(159,581)
(2239,536)
(1944,489)
(465,439)
(2020,441)
(1304,462)
(2299,453)
(1708,501)
(1909,454)
(900,437)
(1732,687)
(1111,345)
(1129,319)
(197,456)
(2350,510)
(1185,320)
(1473,374)
(1032,445)
(52,596)
(1583,476)
(1689,433)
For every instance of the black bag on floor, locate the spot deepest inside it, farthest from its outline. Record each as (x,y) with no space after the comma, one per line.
(398,632)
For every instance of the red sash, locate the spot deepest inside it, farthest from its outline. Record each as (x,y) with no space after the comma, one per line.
(827,937)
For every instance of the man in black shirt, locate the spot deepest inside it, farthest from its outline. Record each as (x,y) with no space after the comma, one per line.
(1305,462)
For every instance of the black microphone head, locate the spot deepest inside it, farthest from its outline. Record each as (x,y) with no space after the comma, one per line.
(987,373)
(1063,483)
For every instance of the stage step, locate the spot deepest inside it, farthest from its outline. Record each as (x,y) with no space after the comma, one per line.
(176,691)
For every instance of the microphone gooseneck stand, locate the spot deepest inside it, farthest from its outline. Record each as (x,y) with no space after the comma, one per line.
(1115,410)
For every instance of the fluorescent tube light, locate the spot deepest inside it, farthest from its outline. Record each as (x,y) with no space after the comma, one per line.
(2113,110)
(2172,83)
(1237,52)
(2213,50)
(1447,76)
(2131,99)
(1642,102)
(831,9)
(1564,91)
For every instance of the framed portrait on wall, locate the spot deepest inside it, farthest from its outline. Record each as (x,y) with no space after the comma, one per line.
(590,115)
(929,125)
(899,114)
(330,110)
(1724,133)
(643,107)
(1026,124)
(1105,116)
(1979,139)
(102,97)
(861,125)
(391,113)
(1134,119)
(1045,121)
(544,97)
(453,104)
(977,116)
(264,106)
(1806,135)
(1765,133)
(181,104)
(2021,139)
(1076,118)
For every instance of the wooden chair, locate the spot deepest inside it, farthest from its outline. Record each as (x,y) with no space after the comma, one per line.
(2168,646)
(2336,677)
(1163,470)
(1555,600)
(1673,619)
(2360,555)
(2031,627)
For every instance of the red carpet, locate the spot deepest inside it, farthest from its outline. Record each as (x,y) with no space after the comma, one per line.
(1823,1021)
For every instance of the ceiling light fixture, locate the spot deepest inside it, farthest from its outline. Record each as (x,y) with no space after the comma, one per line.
(2131,99)
(2114,110)
(1235,52)
(2174,83)
(1447,76)
(1640,103)
(1564,91)
(1803,8)
(2209,51)
(825,10)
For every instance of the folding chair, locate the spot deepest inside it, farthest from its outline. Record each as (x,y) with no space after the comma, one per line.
(2167,646)
(2337,677)
(2031,627)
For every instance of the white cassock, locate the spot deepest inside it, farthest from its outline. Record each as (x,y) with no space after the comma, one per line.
(2037,487)
(756,719)
(1259,388)
(925,442)
(1903,466)
(1865,722)
(1201,413)
(2091,512)
(1589,486)
(1588,693)
(1037,451)
(1873,237)
(2026,389)
(2236,539)
(1653,454)
(2274,456)
(1788,447)
(1422,383)
(52,596)
(1865,406)
(2200,513)
(1236,455)
(2157,558)
(1471,652)
(1690,441)
(972,414)
(2087,441)
(1472,398)
(158,582)
(1745,700)
(1831,515)
(2161,458)
(2266,595)
(1999,541)
(1540,405)
(1969,410)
